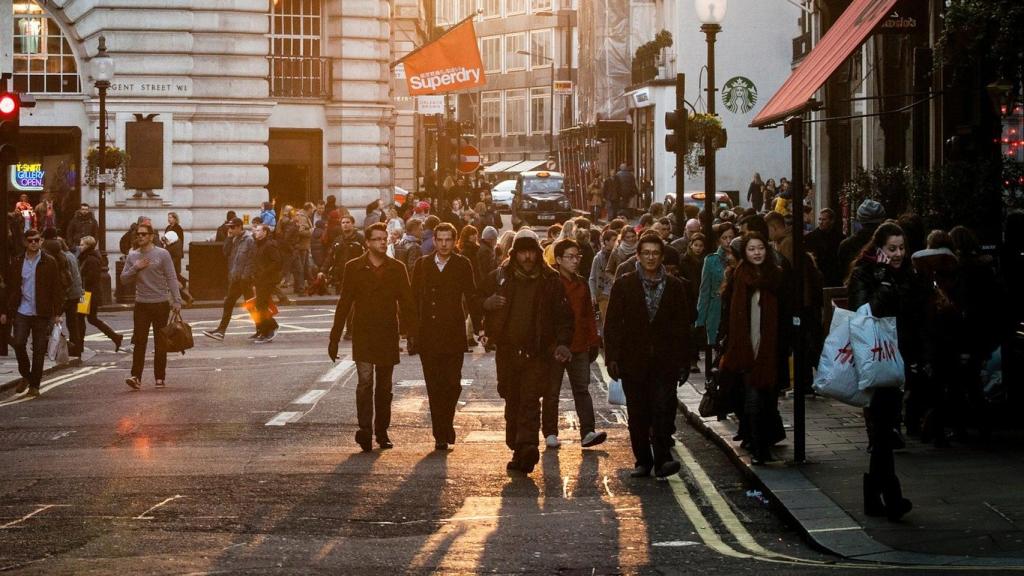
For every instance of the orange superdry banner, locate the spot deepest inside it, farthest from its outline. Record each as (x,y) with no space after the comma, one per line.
(452,62)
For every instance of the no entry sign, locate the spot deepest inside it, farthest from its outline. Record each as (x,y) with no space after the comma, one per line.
(469,159)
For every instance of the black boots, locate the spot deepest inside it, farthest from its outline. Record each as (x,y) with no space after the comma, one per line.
(875,492)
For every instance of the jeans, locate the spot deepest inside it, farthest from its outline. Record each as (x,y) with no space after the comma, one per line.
(300,270)
(148,314)
(236,289)
(267,323)
(373,398)
(443,373)
(39,327)
(521,381)
(651,402)
(579,379)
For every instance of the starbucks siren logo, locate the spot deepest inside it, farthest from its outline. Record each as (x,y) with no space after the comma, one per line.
(739,95)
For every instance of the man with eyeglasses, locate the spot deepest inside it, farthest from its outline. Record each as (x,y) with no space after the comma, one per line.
(646,338)
(584,347)
(151,269)
(238,249)
(35,301)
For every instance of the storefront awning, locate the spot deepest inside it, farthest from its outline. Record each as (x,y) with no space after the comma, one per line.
(849,32)
(527,165)
(501,166)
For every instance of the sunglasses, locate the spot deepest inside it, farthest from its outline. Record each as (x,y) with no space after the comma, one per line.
(33,240)
(142,233)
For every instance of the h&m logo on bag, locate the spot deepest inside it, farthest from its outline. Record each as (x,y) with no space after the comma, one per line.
(844,355)
(884,350)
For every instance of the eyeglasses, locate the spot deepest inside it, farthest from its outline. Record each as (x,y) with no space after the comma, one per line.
(650,253)
(142,233)
(33,240)
(572,256)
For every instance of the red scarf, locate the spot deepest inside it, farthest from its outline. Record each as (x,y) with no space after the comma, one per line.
(739,351)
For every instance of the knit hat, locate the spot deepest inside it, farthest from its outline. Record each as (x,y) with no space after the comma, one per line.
(525,239)
(490,234)
(422,207)
(870,212)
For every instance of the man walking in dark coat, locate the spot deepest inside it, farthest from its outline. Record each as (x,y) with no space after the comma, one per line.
(34,300)
(824,243)
(441,282)
(376,289)
(267,264)
(530,322)
(646,338)
(238,250)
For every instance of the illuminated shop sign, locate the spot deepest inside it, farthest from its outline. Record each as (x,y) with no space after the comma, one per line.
(27,177)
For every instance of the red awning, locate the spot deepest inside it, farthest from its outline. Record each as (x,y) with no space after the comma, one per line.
(849,32)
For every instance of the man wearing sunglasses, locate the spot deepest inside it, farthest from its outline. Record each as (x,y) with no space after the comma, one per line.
(34,302)
(151,269)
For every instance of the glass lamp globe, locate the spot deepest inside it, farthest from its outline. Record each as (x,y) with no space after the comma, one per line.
(710,11)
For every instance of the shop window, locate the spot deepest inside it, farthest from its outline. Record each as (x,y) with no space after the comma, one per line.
(296,33)
(43,61)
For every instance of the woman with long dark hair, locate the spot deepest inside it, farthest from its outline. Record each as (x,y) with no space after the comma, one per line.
(882,277)
(751,322)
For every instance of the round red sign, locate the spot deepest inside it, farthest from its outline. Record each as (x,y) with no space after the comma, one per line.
(469,159)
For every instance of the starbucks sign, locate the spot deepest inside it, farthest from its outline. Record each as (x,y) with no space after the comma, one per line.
(739,94)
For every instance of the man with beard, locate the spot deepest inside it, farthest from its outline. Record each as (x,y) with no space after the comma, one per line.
(646,339)
(377,293)
(441,282)
(82,224)
(531,324)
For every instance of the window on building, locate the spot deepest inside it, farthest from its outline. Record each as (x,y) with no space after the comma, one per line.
(466,8)
(515,43)
(540,5)
(515,7)
(296,32)
(540,110)
(515,112)
(490,113)
(490,51)
(541,42)
(444,12)
(492,8)
(43,61)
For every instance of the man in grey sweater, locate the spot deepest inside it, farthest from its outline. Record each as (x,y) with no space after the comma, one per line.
(156,294)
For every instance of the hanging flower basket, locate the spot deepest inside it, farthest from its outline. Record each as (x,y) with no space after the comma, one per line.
(114,163)
(700,127)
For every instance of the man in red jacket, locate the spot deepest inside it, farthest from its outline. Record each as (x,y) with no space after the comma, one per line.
(584,346)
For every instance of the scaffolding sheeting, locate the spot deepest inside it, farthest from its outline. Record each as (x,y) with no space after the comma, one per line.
(604,66)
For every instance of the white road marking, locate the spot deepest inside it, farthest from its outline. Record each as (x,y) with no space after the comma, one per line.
(48,385)
(283,418)
(30,514)
(310,397)
(63,434)
(608,488)
(159,504)
(339,370)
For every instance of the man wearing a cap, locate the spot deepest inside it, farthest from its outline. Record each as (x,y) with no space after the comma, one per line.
(238,250)
(531,324)
(870,215)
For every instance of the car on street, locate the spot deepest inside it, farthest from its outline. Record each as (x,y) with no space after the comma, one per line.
(502,194)
(540,199)
(696,198)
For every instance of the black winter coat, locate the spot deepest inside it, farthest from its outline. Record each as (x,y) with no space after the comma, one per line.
(49,290)
(633,341)
(439,296)
(89,266)
(553,321)
(266,262)
(383,306)
(891,292)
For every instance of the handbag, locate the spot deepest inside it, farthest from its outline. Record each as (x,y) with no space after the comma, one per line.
(255,313)
(178,334)
(876,352)
(57,347)
(85,302)
(616,395)
(710,401)
(837,376)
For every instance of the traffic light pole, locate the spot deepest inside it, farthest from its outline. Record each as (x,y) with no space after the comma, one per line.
(795,131)
(681,159)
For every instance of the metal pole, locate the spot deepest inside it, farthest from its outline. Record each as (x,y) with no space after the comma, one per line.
(795,129)
(681,157)
(551,145)
(710,192)
(102,87)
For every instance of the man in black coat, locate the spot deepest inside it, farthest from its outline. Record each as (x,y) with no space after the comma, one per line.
(441,282)
(82,224)
(376,291)
(531,323)
(646,338)
(824,243)
(266,273)
(34,300)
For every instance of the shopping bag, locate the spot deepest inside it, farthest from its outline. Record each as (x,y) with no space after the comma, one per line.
(84,302)
(255,313)
(876,352)
(837,376)
(178,334)
(616,396)
(57,347)
(711,400)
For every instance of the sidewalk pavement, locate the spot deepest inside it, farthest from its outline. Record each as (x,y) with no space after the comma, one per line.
(10,378)
(968,499)
(327,299)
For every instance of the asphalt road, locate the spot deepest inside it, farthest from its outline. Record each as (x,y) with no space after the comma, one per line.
(246,463)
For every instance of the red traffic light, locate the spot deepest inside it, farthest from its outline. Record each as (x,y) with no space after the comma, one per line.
(9,104)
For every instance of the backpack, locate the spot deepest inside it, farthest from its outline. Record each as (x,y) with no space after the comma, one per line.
(402,252)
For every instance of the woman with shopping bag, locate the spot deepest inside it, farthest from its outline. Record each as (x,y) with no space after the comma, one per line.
(883,278)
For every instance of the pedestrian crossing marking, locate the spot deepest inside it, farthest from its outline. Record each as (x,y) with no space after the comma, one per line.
(310,397)
(339,370)
(283,418)
(418,383)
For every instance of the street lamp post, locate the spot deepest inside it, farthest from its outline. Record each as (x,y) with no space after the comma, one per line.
(103,72)
(710,13)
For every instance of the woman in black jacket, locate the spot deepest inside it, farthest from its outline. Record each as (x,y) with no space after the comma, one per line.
(89,265)
(883,277)
(175,246)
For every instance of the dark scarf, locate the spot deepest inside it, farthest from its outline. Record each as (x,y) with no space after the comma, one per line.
(739,353)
